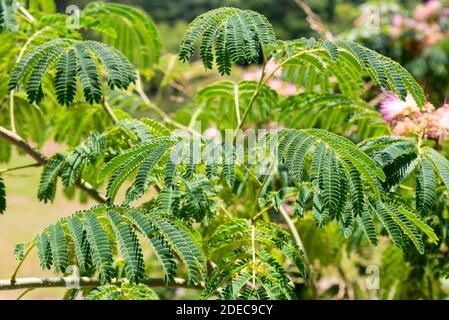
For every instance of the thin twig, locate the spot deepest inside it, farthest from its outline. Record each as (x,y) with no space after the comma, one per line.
(107,107)
(237,102)
(261,82)
(13,276)
(252,174)
(165,117)
(86,282)
(24,293)
(20,56)
(315,21)
(26,13)
(300,244)
(227,213)
(295,234)
(19,142)
(20,167)
(253,252)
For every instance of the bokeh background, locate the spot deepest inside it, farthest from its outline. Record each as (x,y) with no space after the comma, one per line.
(415,33)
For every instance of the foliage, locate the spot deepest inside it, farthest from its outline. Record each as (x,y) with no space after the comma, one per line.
(233,219)
(124,292)
(2,196)
(95,235)
(7,18)
(127,29)
(74,60)
(227,35)
(244,263)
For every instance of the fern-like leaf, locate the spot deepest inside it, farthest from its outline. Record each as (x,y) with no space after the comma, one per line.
(2,196)
(227,35)
(7,16)
(425,187)
(310,63)
(133,32)
(244,263)
(101,249)
(74,59)
(129,247)
(126,291)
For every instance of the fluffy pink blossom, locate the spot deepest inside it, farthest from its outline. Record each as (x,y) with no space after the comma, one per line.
(443,115)
(255,75)
(212,133)
(283,88)
(427,11)
(392,107)
(406,118)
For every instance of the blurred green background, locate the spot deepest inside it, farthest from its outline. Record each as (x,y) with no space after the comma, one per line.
(26,216)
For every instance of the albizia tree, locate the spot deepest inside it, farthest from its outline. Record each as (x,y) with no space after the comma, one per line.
(225,209)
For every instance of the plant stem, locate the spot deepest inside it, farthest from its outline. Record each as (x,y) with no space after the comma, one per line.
(19,58)
(26,13)
(165,117)
(300,244)
(252,174)
(253,252)
(12,119)
(237,102)
(256,216)
(251,102)
(264,78)
(19,142)
(165,79)
(314,20)
(295,234)
(280,65)
(195,116)
(87,282)
(262,186)
(227,213)
(107,107)
(24,293)
(20,167)
(27,252)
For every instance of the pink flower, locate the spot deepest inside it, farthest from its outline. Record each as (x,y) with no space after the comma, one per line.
(405,127)
(289,89)
(442,114)
(440,128)
(397,20)
(212,133)
(269,68)
(254,75)
(393,107)
(427,11)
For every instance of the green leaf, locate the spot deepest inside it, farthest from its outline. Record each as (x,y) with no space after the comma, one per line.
(101,249)
(425,187)
(58,245)
(74,59)
(227,35)
(134,32)
(129,247)
(2,196)
(127,291)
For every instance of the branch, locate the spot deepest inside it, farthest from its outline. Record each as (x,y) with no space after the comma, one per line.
(300,244)
(19,142)
(315,22)
(165,117)
(85,282)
